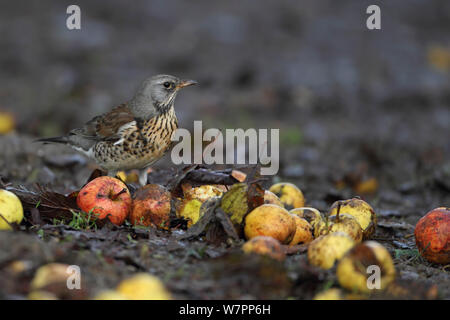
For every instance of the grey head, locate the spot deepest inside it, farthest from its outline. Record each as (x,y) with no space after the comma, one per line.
(157,95)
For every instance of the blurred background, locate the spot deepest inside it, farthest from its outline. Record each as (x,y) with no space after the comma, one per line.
(360,112)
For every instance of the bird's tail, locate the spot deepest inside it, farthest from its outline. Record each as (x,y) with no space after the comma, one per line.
(62,139)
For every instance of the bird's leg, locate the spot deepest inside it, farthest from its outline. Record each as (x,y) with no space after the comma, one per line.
(143,176)
(140,126)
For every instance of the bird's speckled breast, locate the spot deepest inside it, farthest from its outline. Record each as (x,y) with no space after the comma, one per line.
(138,148)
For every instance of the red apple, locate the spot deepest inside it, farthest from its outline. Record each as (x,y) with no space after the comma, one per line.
(151,207)
(106,197)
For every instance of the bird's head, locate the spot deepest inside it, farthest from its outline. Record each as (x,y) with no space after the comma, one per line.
(158,92)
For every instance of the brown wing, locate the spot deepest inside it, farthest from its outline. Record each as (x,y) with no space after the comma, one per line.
(106,126)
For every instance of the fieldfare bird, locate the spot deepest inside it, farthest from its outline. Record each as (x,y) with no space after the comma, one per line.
(133,135)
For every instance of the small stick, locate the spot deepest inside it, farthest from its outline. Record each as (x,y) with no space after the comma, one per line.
(338,210)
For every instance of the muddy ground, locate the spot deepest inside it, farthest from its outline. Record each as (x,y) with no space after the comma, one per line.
(351,105)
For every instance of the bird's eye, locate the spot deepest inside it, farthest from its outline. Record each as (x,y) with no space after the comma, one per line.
(167,84)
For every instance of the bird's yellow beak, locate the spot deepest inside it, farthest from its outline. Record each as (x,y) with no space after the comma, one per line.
(185,83)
